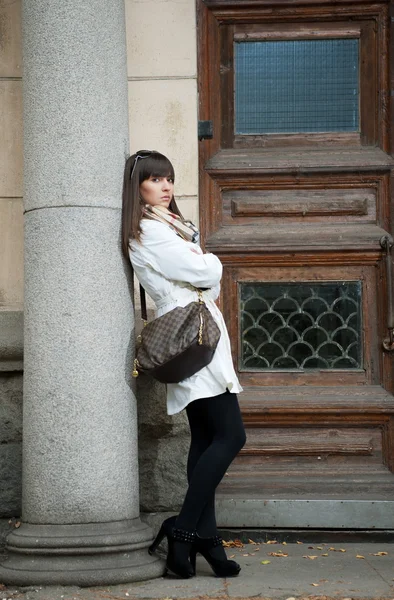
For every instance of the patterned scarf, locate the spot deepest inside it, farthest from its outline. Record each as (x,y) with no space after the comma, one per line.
(185,229)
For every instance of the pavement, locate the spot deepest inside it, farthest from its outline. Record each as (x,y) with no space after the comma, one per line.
(270,570)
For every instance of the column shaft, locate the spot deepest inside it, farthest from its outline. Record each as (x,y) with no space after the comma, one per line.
(80,464)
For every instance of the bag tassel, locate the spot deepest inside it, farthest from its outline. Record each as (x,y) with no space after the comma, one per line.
(135,369)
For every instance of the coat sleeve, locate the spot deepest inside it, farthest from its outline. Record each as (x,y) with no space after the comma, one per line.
(171,256)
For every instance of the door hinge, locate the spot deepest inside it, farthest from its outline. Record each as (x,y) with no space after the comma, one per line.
(205,130)
(387,244)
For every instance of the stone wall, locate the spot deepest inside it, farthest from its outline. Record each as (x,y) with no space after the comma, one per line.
(11,348)
(11,158)
(11,264)
(10,443)
(162,79)
(10,450)
(163,447)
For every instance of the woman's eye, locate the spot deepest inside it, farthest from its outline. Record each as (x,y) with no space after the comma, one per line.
(170,180)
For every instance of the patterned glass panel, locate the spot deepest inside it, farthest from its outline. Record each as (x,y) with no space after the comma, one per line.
(301,326)
(296,86)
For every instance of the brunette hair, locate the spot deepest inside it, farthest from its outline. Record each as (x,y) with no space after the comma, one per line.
(139,167)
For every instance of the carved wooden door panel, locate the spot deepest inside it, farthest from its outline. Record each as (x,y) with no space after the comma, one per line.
(295,197)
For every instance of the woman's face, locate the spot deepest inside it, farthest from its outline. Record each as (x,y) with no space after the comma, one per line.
(157,191)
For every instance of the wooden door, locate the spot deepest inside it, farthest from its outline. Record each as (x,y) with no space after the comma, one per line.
(295,198)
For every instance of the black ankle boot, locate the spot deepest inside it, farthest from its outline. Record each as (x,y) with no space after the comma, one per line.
(180,544)
(213,552)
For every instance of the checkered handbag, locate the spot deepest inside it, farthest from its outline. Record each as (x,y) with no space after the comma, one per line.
(176,345)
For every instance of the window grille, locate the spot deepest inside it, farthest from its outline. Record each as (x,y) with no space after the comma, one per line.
(301,326)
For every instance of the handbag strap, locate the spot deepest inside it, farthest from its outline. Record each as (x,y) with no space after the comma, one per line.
(144,314)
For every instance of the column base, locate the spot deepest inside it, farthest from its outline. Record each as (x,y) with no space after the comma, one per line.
(84,555)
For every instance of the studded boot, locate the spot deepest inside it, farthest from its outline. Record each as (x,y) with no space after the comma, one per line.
(213,552)
(180,543)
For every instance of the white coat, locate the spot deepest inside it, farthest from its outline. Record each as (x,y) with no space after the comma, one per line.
(166,266)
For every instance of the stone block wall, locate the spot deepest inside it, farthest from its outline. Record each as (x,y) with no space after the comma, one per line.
(163,446)
(162,80)
(10,444)
(11,265)
(11,158)
(11,350)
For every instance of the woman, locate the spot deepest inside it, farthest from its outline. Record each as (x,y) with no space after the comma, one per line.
(169,263)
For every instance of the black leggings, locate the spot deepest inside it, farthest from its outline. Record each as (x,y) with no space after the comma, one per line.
(217,435)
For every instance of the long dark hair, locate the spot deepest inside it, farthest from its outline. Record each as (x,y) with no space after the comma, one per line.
(139,167)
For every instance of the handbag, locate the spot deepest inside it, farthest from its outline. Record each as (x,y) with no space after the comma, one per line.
(176,345)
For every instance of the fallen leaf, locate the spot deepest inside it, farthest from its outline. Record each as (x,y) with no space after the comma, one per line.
(253,554)
(299,542)
(315,584)
(310,547)
(251,542)
(360,556)
(325,554)
(265,562)
(232,555)
(279,554)
(310,557)
(284,543)
(245,554)
(341,550)
(233,544)
(271,542)
(332,549)
(319,547)
(17,524)
(380,554)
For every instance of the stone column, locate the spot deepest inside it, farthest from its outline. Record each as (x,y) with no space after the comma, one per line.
(80,516)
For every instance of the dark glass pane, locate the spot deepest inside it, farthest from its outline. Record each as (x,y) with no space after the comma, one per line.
(301,326)
(296,86)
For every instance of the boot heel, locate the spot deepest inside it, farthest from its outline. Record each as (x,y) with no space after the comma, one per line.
(192,558)
(153,547)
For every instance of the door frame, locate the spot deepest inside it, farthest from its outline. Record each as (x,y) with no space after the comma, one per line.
(244,250)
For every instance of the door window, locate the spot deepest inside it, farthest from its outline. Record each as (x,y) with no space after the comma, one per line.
(296,86)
